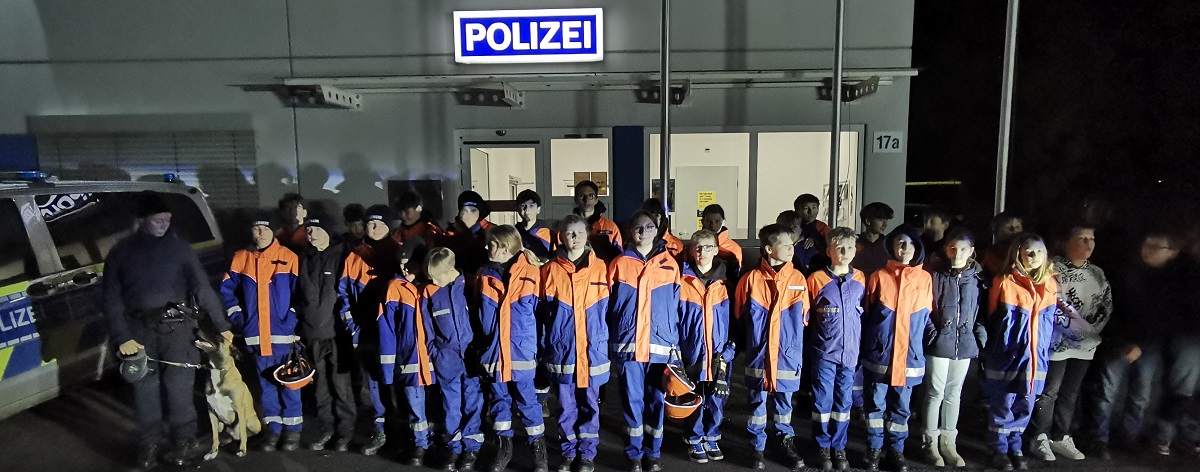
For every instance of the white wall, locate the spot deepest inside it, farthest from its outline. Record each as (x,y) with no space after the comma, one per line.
(134,57)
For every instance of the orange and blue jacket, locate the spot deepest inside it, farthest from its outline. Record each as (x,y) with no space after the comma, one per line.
(427,230)
(731,252)
(1020,327)
(403,336)
(539,239)
(508,334)
(643,308)
(574,343)
(674,245)
(704,318)
(603,234)
(773,309)
(257,292)
(836,312)
(369,268)
(896,324)
(450,331)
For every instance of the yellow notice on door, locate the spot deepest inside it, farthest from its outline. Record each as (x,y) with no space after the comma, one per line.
(703,199)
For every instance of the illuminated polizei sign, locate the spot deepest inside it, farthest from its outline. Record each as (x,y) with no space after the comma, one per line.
(529,36)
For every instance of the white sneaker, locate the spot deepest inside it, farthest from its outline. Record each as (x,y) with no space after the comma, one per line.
(1066,448)
(1040,449)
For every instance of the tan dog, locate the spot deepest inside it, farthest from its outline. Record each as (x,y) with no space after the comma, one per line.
(230,405)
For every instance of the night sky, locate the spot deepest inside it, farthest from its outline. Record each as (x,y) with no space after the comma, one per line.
(1106,110)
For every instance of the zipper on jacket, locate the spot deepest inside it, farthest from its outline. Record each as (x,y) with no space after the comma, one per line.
(958,317)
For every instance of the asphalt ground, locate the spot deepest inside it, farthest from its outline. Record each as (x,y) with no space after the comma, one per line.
(91,428)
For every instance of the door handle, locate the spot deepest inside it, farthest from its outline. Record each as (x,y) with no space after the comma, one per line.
(85,278)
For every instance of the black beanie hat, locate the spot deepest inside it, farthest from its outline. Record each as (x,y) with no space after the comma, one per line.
(379,213)
(473,199)
(320,221)
(151,203)
(263,218)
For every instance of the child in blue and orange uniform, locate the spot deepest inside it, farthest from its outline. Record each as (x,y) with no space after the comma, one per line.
(258,292)
(772,305)
(712,218)
(605,235)
(814,233)
(448,340)
(658,211)
(403,349)
(414,222)
(573,348)
(535,235)
(643,318)
(509,285)
(835,334)
(369,269)
(704,305)
(1021,305)
(895,326)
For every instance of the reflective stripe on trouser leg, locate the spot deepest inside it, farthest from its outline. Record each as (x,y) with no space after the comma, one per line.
(524,396)
(500,408)
(655,415)
(633,390)
(705,425)
(370,369)
(473,414)
(832,386)
(874,403)
(272,407)
(859,394)
(757,424)
(1010,416)
(899,410)
(843,398)
(579,423)
(418,422)
(462,403)
(782,401)
(293,412)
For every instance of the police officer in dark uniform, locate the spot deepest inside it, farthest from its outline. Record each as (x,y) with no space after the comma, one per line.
(145,273)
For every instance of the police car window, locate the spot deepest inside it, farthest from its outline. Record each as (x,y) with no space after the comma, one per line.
(86,226)
(17,262)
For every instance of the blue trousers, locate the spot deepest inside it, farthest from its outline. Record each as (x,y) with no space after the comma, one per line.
(1010,416)
(1112,369)
(579,423)
(858,387)
(832,386)
(370,375)
(463,404)
(418,421)
(781,402)
(889,408)
(281,409)
(501,407)
(644,408)
(706,423)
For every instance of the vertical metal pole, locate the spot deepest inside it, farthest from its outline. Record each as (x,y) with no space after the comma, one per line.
(1006,90)
(835,148)
(664,95)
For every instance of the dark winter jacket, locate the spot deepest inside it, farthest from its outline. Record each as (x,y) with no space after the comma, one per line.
(957,299)
(317,294)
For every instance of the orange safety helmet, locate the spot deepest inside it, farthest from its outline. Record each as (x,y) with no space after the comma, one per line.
(296,372)
(682,406)
(675,381)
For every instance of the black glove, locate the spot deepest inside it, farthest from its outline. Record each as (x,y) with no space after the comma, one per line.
(720,377)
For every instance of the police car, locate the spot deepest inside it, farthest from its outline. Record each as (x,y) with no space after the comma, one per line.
(54,237)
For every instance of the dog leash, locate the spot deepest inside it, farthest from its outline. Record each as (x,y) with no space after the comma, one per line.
(178,364)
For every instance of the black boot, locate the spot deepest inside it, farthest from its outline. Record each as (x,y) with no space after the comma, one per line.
(341,444)
(185,453)
(791,455)
(1001,462)
(1018,460)
(635,465)
(147,456)
(504,454)
(652,464)
(757,462)
(565,465)
(872,459)
(374,444)
(451,464)
(586,465)
(826,460)
(291,441)
(319,444)
(839,460)
(540,462)
(416,457)
(896,462)
(467,461)
(269,442)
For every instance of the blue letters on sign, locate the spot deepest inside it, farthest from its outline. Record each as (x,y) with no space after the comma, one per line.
(528,36)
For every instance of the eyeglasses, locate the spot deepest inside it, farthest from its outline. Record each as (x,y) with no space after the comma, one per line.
(707,248)
(645,229)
